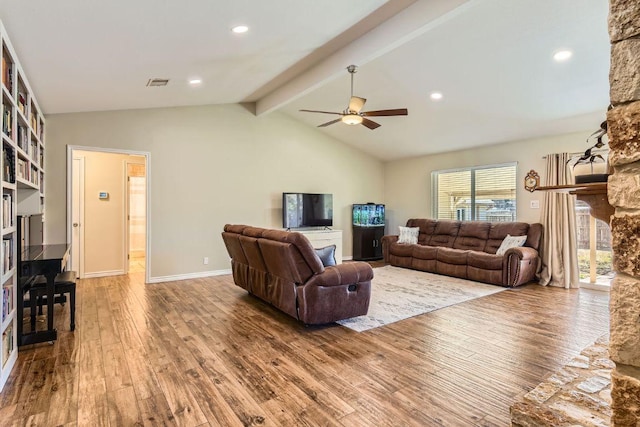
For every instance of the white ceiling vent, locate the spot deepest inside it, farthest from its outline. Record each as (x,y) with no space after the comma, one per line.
(157,82)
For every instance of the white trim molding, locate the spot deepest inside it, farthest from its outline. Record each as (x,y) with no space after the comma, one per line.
(198,275)
(104,274)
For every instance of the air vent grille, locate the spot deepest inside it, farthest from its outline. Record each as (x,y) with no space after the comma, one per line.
(157,82)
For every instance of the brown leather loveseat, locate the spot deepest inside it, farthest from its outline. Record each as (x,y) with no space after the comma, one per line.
(283,269)
(467,249)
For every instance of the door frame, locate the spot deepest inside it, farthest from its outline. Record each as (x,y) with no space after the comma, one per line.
(79,263)
(147,156)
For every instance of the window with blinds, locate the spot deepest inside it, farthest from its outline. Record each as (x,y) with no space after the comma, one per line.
(482,193)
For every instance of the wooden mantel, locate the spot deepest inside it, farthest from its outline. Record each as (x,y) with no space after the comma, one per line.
(593,194)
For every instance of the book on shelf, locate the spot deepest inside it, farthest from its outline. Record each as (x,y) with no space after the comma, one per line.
(4,69)
(7,72)
(6,121)
(8,165)
(7,301)
(22,102)
(34,122)
(22,137)
(7,250)
(7,211)
(23,170)
(32,150)
(7,344)
(35,176)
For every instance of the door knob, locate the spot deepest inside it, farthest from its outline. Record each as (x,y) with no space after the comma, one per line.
(75,224)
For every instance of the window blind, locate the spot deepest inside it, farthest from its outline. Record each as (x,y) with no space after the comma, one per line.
(484,193)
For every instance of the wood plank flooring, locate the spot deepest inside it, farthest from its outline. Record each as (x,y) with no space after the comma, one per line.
(204,353)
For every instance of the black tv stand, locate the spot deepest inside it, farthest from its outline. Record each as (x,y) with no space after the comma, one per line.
(367,242)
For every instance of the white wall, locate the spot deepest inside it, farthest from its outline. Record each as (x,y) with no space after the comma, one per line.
(408,181)
(212,165)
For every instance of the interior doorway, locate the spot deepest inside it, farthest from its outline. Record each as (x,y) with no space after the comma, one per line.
(107,212)
(136,216)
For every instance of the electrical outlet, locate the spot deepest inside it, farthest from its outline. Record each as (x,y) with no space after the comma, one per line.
(205,260)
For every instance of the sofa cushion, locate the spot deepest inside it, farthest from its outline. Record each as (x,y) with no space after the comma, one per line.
(485,261)
(408,235)
(303,246)
(424,252)
(472,235)
(252,231)
(510,242)
(499,231)
(452,262)
(452,256)
(426,226)
(444,234)
(401,261)
(401,249)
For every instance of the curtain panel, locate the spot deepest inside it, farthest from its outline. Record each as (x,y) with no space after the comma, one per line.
(559,249)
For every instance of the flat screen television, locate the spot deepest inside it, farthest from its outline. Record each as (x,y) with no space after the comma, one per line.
(307,210)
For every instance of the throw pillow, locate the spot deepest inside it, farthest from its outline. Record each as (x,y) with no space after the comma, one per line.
(409,235)
(510,242)
(327,255)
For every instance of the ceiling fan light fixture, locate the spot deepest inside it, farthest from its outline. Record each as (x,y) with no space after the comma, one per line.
(351,119)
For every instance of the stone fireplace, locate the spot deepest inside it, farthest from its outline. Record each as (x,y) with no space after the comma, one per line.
(624,194)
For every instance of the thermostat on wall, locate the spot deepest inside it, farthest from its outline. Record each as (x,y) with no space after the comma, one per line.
(103,195)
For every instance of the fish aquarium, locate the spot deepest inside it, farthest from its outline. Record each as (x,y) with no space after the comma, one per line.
(368,215)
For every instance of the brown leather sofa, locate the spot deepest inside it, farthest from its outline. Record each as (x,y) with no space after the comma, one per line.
(467,249)
(282,268)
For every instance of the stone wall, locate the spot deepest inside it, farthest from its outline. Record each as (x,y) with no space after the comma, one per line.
(624,194)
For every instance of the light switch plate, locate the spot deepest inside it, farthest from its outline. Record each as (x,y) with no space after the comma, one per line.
(535,204)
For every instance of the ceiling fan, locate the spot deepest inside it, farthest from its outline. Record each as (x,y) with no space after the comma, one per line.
(353,114)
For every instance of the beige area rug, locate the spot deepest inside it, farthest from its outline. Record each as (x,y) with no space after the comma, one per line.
(400,293)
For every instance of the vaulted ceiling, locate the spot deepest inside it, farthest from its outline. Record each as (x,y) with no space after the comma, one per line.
(490,59)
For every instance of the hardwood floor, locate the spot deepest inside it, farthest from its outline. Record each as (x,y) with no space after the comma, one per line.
(204,353)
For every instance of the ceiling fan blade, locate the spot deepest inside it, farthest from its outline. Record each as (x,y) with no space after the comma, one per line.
(396,112)
(329,123)
(356,103)
(370,123)
(318,111)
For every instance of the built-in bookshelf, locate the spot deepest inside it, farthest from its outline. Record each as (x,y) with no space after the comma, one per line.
(22,166)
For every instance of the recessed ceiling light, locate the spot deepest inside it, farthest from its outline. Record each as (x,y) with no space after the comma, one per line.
(195,82)
(436,96)
(562,55)
(239,29)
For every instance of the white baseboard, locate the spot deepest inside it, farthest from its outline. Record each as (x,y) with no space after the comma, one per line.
(103,274)
(199,275)
(347,258)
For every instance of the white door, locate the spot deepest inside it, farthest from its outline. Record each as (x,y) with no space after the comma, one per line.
(77,216)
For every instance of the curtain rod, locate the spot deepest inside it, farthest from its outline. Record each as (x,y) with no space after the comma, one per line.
(600,151)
